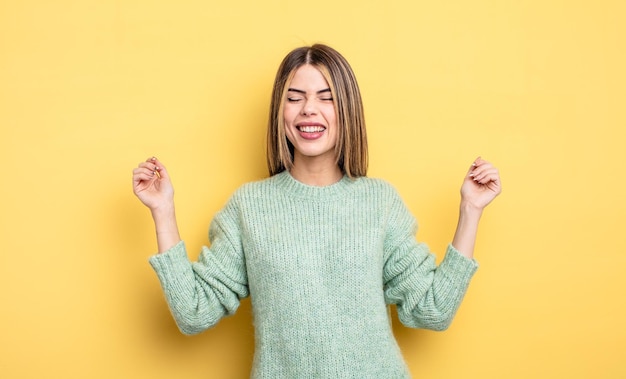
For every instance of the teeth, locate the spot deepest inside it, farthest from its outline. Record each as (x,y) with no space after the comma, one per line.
(311,129)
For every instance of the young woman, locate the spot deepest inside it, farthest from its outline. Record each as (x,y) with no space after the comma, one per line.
(320,248)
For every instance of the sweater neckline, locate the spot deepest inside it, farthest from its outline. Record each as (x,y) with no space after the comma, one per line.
(298,189)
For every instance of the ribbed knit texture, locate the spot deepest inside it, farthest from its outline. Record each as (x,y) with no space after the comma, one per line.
(320,265)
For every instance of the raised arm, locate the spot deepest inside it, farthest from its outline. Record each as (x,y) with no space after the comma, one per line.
(152,185)
(480,186)
(428,296)
(199,294)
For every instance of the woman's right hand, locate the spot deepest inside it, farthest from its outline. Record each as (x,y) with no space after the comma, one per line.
(152,185)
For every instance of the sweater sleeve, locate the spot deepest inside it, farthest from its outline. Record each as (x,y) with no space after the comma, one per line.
(200,293)
(426,296)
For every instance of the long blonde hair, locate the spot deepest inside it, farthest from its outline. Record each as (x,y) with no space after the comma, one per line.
(351,147)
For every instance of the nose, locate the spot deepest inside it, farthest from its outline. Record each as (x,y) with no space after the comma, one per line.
(308,108)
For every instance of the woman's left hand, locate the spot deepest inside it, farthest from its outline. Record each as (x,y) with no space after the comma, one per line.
(481,184)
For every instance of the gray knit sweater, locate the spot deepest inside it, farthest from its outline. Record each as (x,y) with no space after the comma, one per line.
(320,265)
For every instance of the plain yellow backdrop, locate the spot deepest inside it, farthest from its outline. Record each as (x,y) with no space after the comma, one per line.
(90,88)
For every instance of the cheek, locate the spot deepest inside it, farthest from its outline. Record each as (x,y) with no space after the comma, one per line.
(288,131)
(289,113)
(328,110)
(331,117)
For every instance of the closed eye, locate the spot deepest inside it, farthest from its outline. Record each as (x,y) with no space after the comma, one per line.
(324,94)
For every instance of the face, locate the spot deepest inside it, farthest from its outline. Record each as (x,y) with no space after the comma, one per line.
(309,113)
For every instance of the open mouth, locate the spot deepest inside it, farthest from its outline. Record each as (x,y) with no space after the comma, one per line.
(311,128)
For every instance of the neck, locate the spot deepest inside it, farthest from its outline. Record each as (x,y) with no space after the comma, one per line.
(316,173)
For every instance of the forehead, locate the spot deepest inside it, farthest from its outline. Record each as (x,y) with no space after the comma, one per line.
(308,77)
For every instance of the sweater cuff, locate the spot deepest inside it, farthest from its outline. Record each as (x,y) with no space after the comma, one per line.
(171,260)
(458,265)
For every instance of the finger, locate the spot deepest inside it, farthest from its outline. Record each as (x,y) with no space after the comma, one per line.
(473,166)
(143,174)
(159,168)
(479,167)
(483,170)
(146,167)
(491,183)
(486,175)
(150,170)
(153,165)
(478,163)
(154,160)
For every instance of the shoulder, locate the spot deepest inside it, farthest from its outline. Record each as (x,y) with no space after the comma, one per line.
(375,183)
(376,186)
(257,189)
(255,185)
(395,208)
(252,189)
(244,198)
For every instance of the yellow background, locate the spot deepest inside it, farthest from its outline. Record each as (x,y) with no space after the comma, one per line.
(90,88)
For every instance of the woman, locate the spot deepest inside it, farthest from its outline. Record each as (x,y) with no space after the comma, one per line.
(320,248)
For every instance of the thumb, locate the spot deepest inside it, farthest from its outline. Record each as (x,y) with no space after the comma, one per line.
(161,171)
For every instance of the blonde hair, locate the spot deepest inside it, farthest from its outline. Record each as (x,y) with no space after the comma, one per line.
(351,147)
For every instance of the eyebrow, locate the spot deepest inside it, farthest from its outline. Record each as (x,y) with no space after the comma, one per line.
(304,92)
